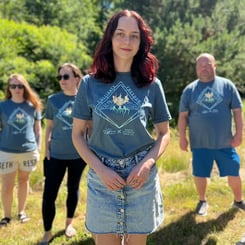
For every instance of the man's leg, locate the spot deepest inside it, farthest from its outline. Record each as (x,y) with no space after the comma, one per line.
(201,186)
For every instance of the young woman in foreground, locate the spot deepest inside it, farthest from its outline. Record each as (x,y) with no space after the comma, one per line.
(121,93)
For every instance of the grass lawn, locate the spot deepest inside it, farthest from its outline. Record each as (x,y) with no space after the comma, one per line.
(222,225)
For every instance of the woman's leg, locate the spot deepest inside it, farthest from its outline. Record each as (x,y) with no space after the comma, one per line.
(54,170)
(106,239)
(75,170)
(23,188)
(132,239)
(8,181)
(47,236)
(135,239)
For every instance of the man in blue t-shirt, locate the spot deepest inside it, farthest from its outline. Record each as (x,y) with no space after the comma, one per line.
(206,108)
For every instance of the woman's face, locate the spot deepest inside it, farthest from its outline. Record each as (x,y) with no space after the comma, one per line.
(16,88)
(126,39)
(68,82)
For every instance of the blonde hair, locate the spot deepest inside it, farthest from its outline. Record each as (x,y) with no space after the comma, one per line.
(29,94)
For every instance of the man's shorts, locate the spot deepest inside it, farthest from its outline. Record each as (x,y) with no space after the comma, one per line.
(227,160)
(11,162)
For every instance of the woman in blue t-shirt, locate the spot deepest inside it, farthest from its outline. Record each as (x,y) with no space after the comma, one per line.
(20,142)
(60,155)
(124,201)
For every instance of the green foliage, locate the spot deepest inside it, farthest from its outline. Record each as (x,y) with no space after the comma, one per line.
(182,38)
(36,52)
(13,10)
(80,18)
(181,189)
(61,31)
(185,28)
(180,198)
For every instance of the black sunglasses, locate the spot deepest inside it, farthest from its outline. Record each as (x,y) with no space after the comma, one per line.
(64,77)
(14,86)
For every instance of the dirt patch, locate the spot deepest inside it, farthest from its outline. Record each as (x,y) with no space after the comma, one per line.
(173,178)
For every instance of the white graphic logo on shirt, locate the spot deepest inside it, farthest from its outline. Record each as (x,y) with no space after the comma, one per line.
(209,99)
(18,119)
(64,114)
(119,106)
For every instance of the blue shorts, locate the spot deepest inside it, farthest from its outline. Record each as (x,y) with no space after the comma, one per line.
(227,160)
(127,211)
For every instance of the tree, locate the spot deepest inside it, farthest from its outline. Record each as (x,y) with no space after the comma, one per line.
(217,28)
(79,17)
(182,30)
(36,52)
(12,10)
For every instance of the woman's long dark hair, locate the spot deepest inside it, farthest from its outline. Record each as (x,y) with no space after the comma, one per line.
(145,64)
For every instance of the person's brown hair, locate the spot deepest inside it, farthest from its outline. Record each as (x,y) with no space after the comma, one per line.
(76,71)
(29,94)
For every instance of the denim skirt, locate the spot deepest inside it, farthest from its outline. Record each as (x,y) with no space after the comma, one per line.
(126,211)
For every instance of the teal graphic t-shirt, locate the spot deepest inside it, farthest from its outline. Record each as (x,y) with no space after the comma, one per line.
(120,112)
(17,120)
(59,109)
(210,112)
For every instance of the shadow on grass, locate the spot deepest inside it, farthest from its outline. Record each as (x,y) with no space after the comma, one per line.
(88,241)
(187,231)
(184,231)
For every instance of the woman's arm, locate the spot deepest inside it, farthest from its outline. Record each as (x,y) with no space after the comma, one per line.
(140,173)
(48,133)
(109,177)
(38,134)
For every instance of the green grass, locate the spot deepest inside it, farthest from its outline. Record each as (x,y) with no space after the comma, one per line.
(222,226)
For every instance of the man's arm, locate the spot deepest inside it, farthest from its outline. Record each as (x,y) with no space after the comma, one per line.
(238,120)
(182,125)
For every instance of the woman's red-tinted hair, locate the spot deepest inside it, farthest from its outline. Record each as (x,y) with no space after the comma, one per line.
(145,64)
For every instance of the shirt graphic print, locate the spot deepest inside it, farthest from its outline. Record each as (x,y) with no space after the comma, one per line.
(119,107)
(209,99)
(65,115)
(18,120)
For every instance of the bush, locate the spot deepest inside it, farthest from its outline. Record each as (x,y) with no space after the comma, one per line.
(36,52)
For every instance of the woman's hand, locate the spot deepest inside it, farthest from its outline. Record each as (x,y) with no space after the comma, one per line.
(139,175)
(47,154)
(111,179)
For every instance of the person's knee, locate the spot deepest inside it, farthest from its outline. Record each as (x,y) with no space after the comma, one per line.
(105,239)
(135,239)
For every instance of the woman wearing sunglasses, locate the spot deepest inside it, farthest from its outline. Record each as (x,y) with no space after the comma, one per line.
(20,142)
(60,153)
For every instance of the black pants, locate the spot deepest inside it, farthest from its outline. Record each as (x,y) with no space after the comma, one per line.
(54,171)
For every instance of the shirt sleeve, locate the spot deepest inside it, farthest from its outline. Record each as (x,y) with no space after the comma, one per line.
(49,110)
(160,111)
(38,115)
(184,104)
(236,101)
(81,107)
